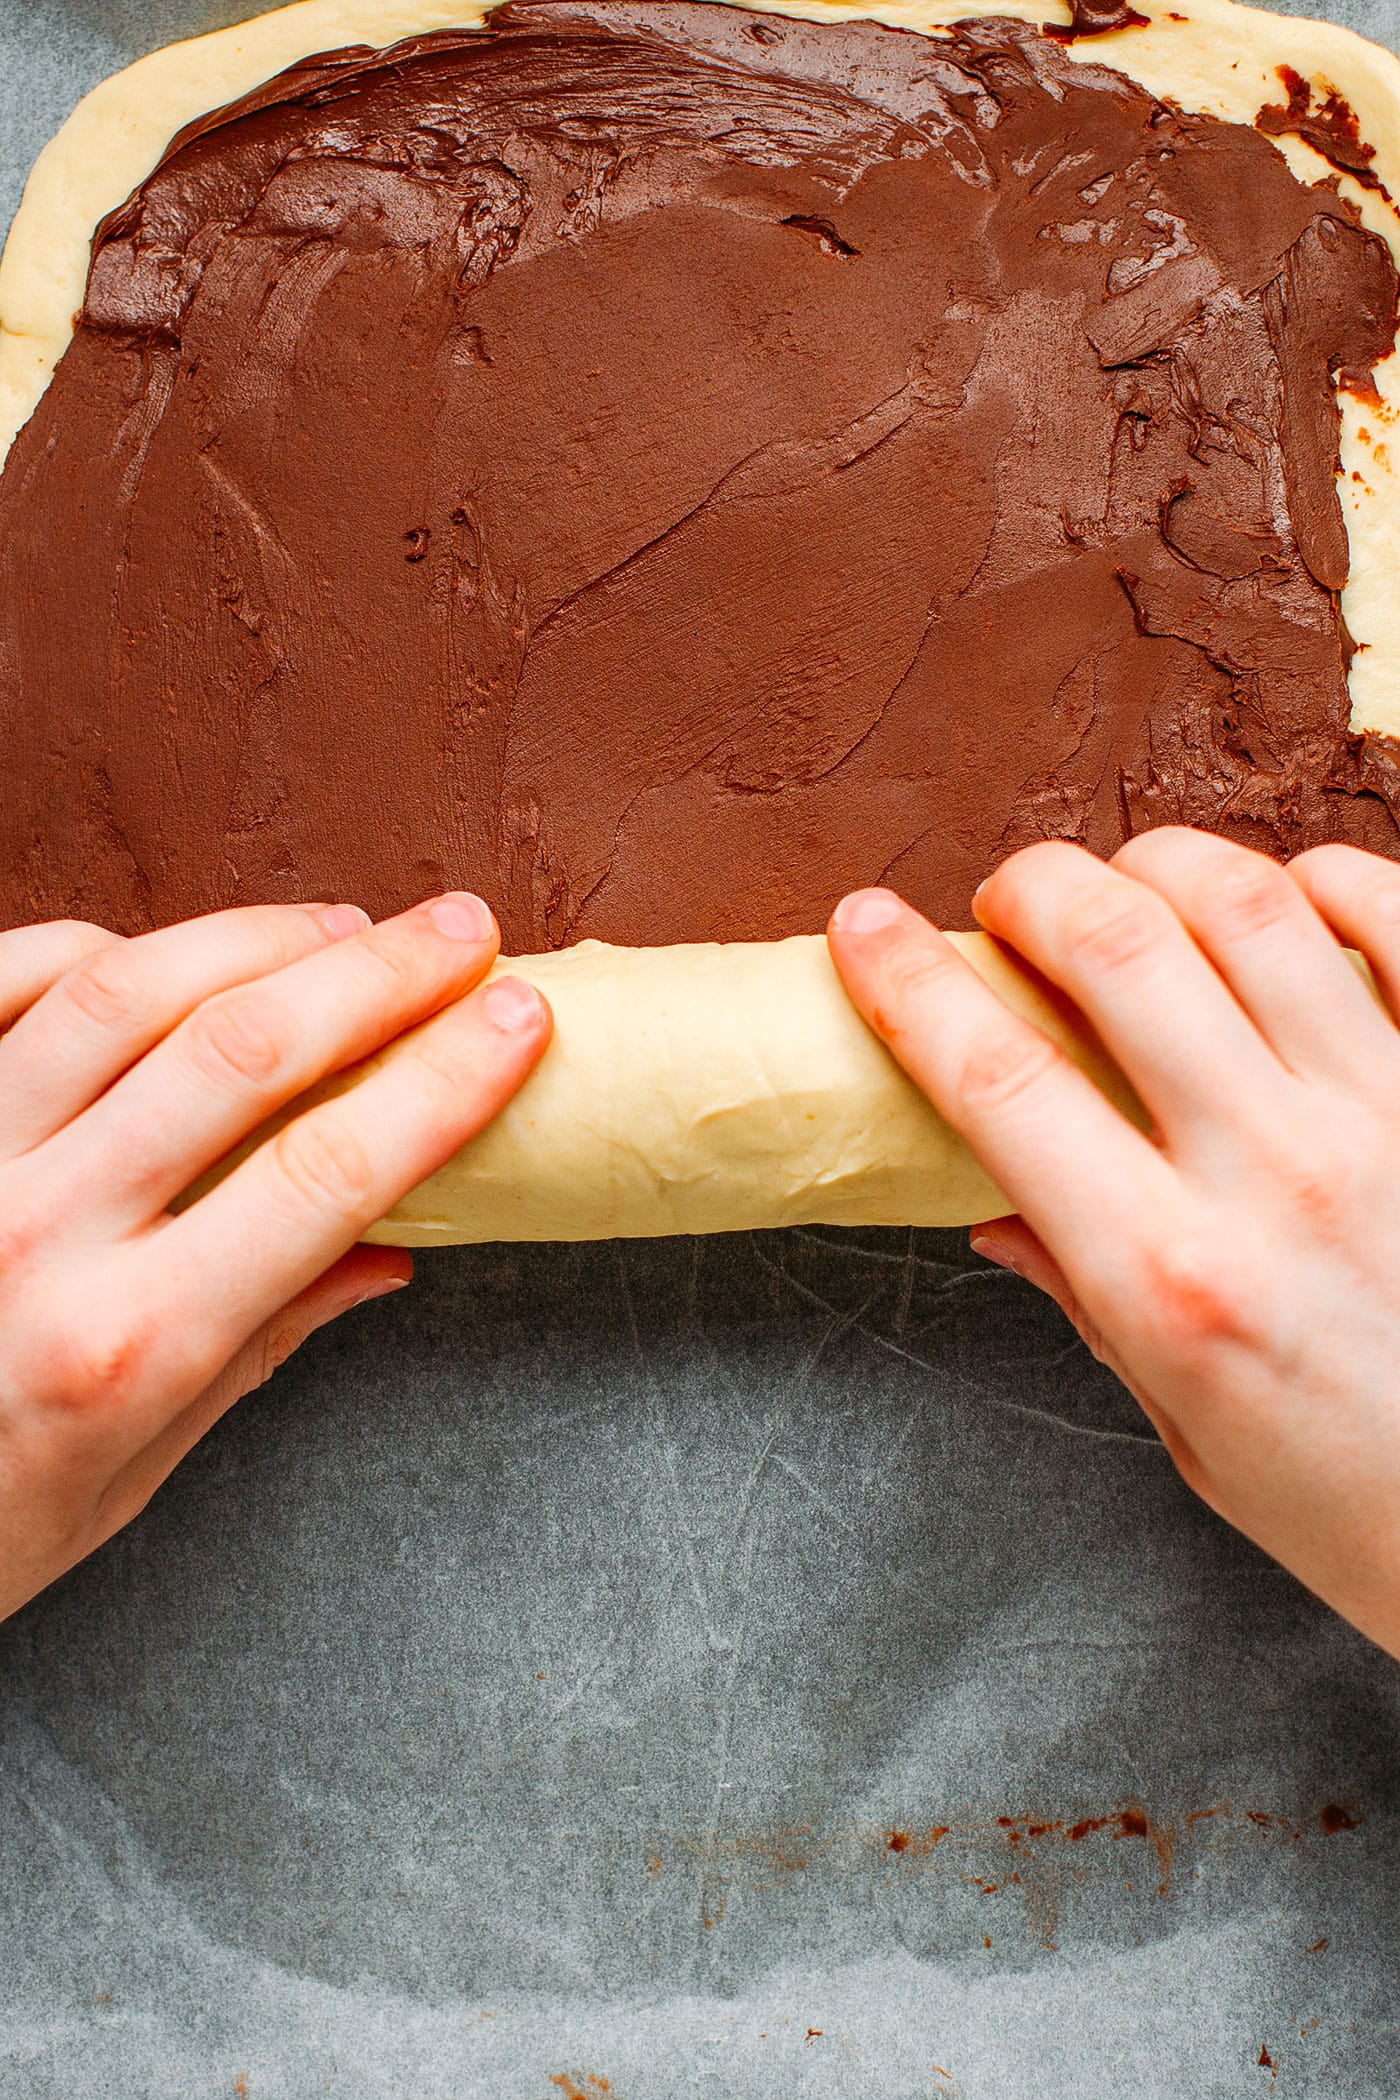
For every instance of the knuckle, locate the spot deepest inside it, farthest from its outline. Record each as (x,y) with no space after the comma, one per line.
(74,931)
(1196,1296)
(1381,907)
(1155,848)
(238,1038)
(912,969)
(1106,933)
(73,939)
(1326,1191)
(1002,1069)
(435,1064)
(324,1164)
(404,968)
(1332,859)
(283,931)
(1249,898)
(1318,1200)
(917,966)
(95,1367)
(1380,891)
(111,990)
(1345,875)
(1046,853)
(22,1234)
(1028,866)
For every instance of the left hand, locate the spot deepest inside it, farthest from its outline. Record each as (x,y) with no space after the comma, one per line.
(128,1068)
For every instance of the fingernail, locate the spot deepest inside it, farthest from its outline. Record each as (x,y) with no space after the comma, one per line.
(867,911)
(379,1290)
(513,1005)
(462,917)
(989,1251)
(339,921)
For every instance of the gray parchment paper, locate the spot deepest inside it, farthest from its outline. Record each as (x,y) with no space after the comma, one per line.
(781,1667)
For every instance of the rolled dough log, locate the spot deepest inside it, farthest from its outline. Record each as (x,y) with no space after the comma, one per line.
(710,1088)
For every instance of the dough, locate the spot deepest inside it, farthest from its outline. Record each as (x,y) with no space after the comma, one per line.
(716,1087)
(707,1088)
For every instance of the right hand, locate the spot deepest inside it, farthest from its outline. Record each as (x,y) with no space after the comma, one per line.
(1239,1268)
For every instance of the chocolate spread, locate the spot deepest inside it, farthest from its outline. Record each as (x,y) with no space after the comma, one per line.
(1331,128)
(1095,17)
(660,466)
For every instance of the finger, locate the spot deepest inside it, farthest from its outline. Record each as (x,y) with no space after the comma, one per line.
(361,1275)
(1010,1243)
(1282,963)
(242,1055)
(34,957)
(99,1018)
(1358,894)
(304,1197)
(1075,1168)
(1202,1070)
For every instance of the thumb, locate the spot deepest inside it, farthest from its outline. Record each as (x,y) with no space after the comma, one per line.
(362,1274)
(1010,1243)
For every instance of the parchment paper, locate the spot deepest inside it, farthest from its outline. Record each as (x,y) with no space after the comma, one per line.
(771,1666)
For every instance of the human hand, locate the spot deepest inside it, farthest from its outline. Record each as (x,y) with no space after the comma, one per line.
(129,1067)
(1240,1268)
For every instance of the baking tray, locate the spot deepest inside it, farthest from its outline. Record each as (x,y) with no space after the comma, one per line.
(770,1666)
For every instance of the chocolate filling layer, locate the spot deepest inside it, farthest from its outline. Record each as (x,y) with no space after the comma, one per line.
(661,466)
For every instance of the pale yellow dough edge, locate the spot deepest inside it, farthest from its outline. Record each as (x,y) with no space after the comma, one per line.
(715,1088)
